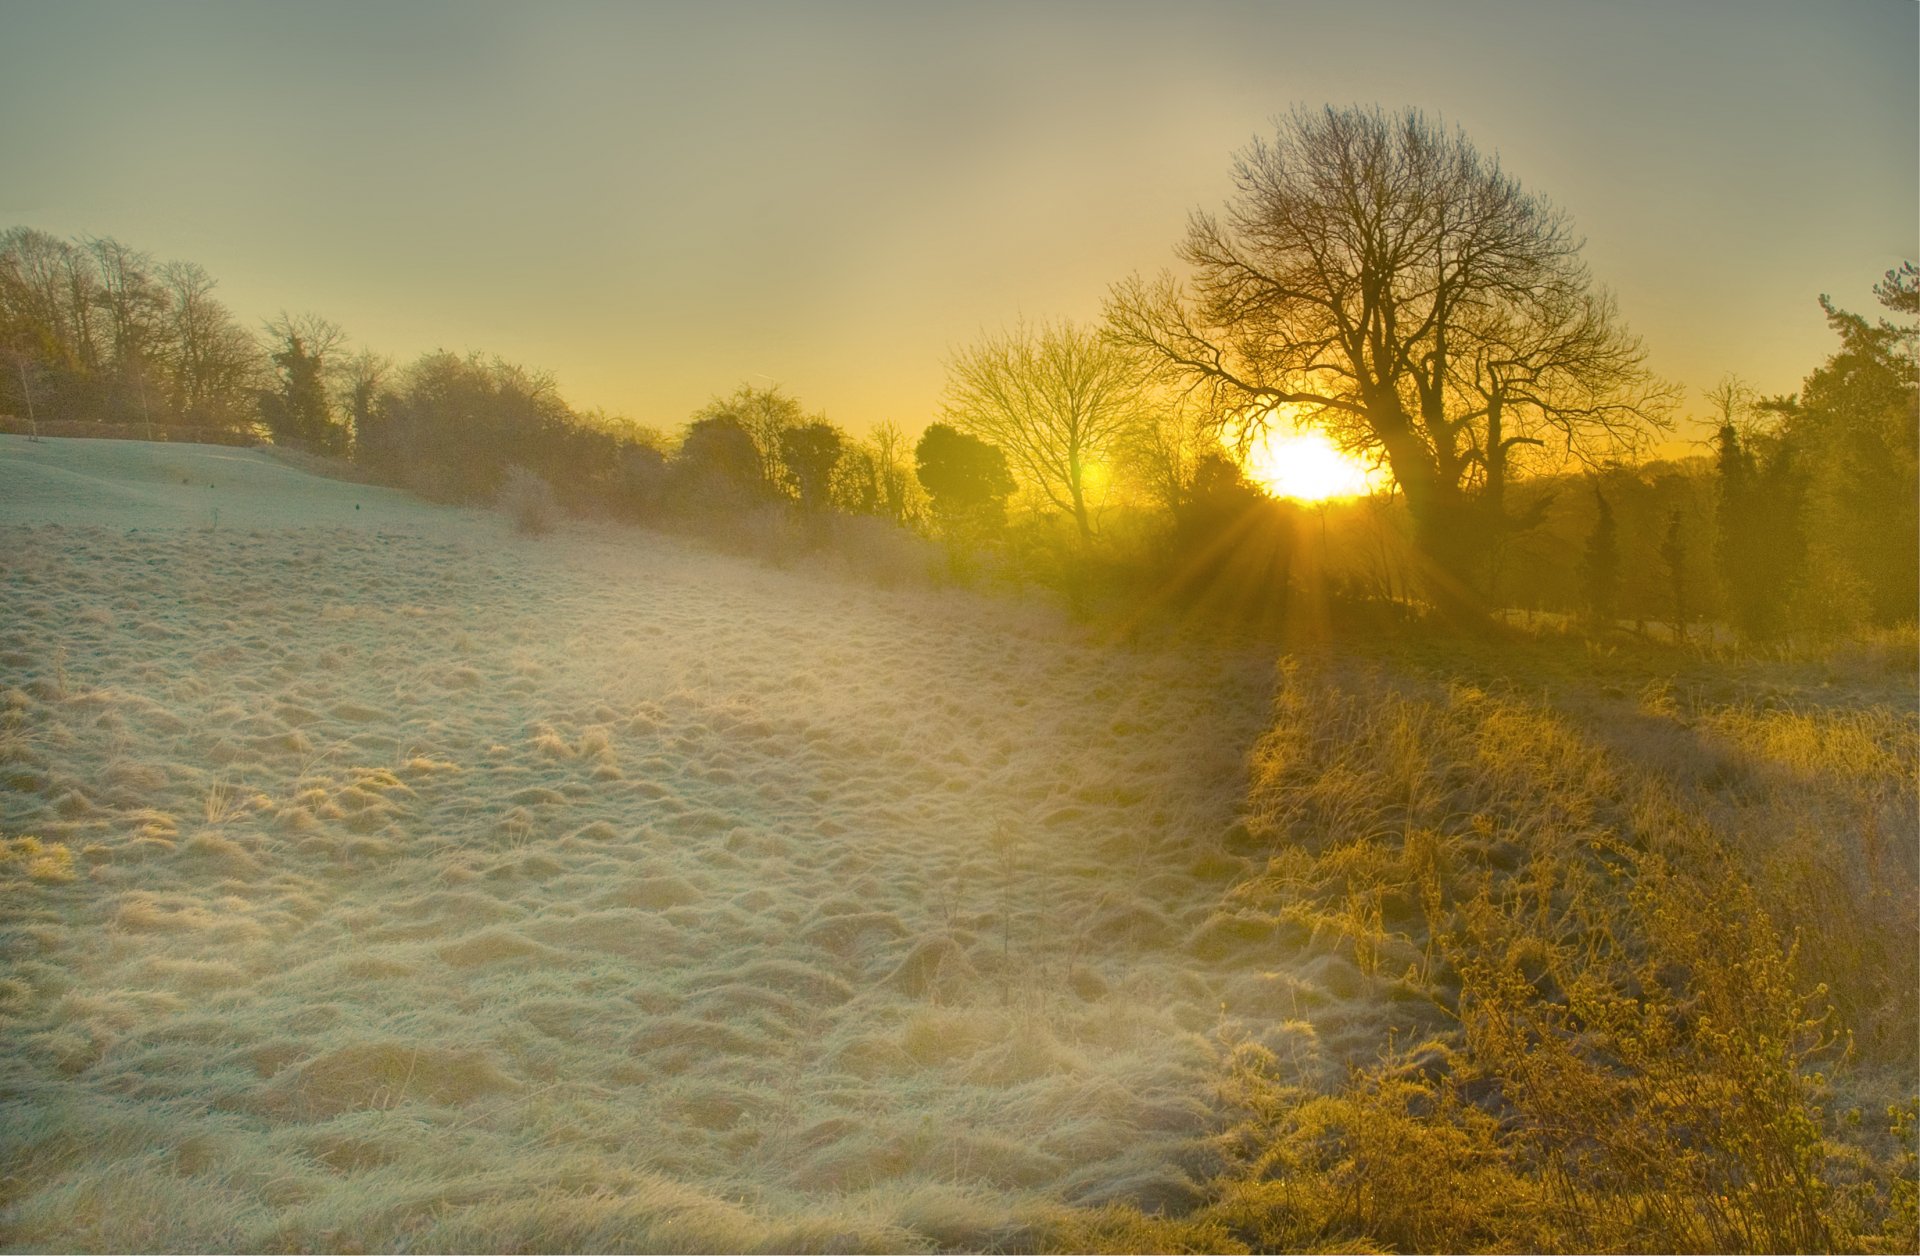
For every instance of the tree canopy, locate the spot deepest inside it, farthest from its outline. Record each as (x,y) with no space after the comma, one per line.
(1056,399)
(965,476)
(1377,276)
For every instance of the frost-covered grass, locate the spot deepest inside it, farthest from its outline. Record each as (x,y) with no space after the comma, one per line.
(433,886)
(374,877)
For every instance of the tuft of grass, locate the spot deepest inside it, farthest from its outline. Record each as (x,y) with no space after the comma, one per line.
(50,863)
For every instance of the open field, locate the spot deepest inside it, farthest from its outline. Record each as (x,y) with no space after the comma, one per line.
(378,878)
(433,886)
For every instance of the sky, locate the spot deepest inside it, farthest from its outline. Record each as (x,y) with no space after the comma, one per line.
(661,202)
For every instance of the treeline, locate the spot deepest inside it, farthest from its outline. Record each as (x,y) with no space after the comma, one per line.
(1056,460)
(1801,518)
(102,339)
(95,331)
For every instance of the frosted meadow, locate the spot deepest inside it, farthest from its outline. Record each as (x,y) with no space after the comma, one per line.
(430,885)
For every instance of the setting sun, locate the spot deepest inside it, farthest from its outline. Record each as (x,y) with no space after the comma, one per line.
(1302,464)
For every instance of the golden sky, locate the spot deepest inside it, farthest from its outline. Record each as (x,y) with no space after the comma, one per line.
(659,202)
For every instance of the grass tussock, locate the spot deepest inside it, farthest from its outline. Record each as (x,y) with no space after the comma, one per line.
(30,859)
(1631,1005)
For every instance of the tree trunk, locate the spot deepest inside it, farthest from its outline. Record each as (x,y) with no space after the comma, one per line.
(1446,538)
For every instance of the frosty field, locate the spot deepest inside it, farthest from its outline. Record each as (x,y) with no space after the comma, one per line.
(424,885)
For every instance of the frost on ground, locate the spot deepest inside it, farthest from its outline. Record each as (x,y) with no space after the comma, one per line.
(430,886)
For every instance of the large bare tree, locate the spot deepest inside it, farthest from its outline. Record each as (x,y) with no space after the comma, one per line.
(1377,276)
(1057,398)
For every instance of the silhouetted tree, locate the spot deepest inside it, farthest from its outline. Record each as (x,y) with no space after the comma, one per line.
(133,310)
(1853,437)
(362,379)
(1600,566)
(763,414)
(1056,399)
(1162,455)
(1673,553)
(891,455)
(1739,550)
(1382,279)
(454,424)
(1233,545)
(718,465)
(808,455)
(856,480)
(1899,290)
(298,409)
(213,364)
(966,477)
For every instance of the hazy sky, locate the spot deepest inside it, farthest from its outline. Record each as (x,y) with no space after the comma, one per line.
(658,202)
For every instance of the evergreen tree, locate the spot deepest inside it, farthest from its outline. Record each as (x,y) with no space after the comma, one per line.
(808,454)
(966,477)
(1673,552)
(1600,567)
(1739,550)
(298,410)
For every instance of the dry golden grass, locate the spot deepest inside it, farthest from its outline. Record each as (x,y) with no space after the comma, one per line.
(1650,959)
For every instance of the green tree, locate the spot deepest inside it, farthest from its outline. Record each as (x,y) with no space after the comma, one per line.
(966,477)
(808,455)
(298,409)
(1600,565)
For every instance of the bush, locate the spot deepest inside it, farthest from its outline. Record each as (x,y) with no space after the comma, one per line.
(883,552)
(526,499)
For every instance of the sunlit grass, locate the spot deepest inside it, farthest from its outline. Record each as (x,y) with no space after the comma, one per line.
(1629,1003)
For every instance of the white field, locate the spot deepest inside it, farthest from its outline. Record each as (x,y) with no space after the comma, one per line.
(435,887)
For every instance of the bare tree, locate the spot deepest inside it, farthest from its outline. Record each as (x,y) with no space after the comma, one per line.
(1162,455)
(1376,276)
(764,413)
(1057,399)
(361,379)
(214,363)
(893,461)
(135,310)
(23,363)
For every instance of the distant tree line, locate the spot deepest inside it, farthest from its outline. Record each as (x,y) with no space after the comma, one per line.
(1100,460)
(96,331)
(1800,518)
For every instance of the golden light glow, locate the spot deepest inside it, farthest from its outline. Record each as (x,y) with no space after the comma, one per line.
(1289,460)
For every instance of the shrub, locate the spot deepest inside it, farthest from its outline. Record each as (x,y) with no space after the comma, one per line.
(883,552)
(527,500)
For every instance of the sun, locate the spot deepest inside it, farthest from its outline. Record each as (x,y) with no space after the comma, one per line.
(1302,464)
